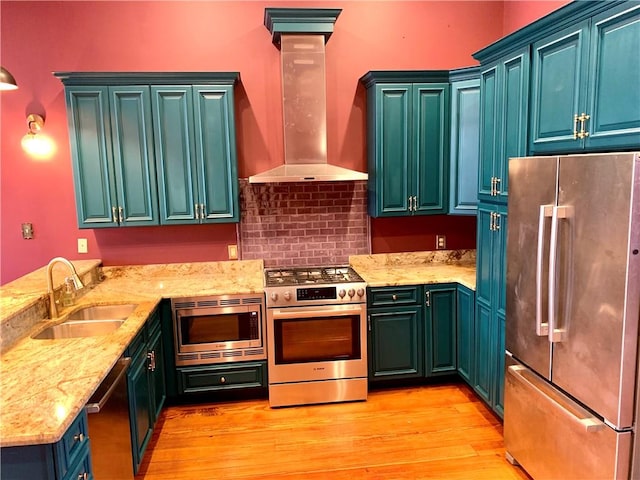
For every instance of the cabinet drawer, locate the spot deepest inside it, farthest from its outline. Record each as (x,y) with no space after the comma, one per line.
(224,377)
(82,469)
(386,296)
(73,445)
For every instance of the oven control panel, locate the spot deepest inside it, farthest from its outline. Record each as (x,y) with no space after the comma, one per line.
(316,295)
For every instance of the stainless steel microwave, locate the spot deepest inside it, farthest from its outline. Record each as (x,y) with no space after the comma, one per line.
(226,328)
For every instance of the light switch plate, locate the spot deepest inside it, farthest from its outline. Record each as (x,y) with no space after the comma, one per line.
(233,252)
(27,231)
(441,242)
(82,245)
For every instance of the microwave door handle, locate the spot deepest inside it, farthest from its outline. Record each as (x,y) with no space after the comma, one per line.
(306,312)
(542,328)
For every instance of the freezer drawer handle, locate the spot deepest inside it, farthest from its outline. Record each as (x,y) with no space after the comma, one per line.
(542,328)
(526,377)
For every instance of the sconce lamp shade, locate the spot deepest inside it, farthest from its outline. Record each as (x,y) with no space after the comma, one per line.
(7,82)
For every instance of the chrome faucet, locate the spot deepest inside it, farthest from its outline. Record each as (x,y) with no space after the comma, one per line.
(75,279)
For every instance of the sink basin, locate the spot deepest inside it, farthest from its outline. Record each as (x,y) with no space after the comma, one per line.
(89,321)
(81,328)
(102,312)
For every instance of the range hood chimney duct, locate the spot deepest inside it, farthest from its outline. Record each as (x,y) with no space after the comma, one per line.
(301,35)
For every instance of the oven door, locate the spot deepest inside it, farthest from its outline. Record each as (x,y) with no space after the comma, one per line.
(317,343)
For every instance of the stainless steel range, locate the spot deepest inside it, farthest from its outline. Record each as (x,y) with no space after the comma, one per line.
(316,335)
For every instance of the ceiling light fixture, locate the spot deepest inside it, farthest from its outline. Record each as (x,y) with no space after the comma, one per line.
(7,82)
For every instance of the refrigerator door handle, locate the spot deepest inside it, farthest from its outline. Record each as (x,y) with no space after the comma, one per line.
(561,211)
(564,405)
(542,328)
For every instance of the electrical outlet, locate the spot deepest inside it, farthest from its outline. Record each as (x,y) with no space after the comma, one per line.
(233,252)
(82,245)
(27,231)
(441,242)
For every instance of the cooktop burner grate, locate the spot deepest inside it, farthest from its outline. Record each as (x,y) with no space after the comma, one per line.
(310,276)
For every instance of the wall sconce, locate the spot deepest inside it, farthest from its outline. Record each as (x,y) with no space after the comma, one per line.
(34,143)
(7,82)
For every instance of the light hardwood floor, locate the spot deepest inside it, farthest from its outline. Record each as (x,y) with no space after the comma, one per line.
(434,431)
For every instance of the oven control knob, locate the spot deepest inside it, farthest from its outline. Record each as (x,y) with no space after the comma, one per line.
(360,292)
(342,293)
(274,296)
(287,296)
(351,292)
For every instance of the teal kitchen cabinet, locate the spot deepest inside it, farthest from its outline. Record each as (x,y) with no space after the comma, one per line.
(245,376)
(152,148)
(67,459)
(504,96)
(396,325)
(113,159)
(196,153)
(146,385)
(407,142)
(489,349)
(465,333)
(465,141)
(584,93)
(440,329)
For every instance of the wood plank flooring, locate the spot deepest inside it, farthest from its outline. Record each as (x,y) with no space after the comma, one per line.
(434,431)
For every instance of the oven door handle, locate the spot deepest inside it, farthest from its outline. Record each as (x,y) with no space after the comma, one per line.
(307,312)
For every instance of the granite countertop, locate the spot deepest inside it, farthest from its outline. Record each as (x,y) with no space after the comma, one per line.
(417,268)
(44,384)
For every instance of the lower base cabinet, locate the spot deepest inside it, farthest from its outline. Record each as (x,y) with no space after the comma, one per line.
(465,334)
(146,385)
(67,459)
(216,378)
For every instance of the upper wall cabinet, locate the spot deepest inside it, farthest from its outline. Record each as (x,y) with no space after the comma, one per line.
(465,141)
(408,142)
(585,81)
(113,160)
(504,93)
(152,148)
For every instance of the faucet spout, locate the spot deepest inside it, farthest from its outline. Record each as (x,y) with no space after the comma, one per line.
(77,283)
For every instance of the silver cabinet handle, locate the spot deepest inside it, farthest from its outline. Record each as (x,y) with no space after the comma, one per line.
(496,223)
(202,210)
(492,221)
(114,215)
(493,186)
(542,328)
(496,187)
(410,203)
(575,126)
(428,295)
(152,361)
(120,214)
(197,209)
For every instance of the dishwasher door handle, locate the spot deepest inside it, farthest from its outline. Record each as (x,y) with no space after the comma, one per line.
(113,377)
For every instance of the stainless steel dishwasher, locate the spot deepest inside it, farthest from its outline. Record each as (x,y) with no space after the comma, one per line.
(109,431)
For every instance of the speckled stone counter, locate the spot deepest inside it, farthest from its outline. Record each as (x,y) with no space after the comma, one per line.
(417,268)
(44,384)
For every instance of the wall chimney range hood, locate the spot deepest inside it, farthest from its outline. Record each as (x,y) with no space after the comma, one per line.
(301,35)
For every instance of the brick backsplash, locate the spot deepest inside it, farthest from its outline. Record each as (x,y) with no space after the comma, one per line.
(303,224)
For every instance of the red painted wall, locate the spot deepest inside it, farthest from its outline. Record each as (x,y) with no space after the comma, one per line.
(38,38)
(517,13)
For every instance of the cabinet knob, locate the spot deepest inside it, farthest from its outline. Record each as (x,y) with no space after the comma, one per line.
(394,297)
(223,380)
(79,437)
(83,476)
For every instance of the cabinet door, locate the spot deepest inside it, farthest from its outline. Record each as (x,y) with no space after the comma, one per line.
(513,124)
(614,76)
(93,172)
(430,147)
(465,147)
(395,343)
(499,261)
(490,139)
(484,352)
(498,394)
(175,153)
(484,259)
(133,155)
(465,332)
(139,405)
(392,155)
(157,382)
(558,89)
(440,354)
(216,153)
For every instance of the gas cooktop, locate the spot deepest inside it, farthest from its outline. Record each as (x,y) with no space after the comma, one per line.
(277,277)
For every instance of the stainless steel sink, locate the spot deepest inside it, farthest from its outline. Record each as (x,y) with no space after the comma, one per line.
(81,328)
(102,312)
(89,321)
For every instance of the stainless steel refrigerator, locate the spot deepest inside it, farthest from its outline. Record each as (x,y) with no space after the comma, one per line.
(573,308)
